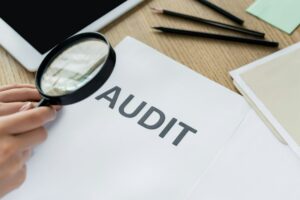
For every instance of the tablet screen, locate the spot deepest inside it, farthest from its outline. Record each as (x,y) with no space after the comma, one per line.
(45,23)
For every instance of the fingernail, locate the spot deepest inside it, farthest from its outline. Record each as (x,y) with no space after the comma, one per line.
(25,107)
(57,108)
(28,154)
(53,117)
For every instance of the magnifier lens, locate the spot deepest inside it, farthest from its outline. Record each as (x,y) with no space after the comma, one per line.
(74,67)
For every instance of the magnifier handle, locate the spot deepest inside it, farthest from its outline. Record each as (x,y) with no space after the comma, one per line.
(43,102)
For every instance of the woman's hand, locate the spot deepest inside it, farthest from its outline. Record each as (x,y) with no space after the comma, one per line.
(21,129)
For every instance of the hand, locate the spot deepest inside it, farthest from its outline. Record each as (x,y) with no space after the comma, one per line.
(13,97)
(21,129)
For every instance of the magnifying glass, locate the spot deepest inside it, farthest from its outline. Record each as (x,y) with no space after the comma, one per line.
(75,69)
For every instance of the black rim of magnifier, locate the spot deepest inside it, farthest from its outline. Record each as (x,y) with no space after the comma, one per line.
(86,90)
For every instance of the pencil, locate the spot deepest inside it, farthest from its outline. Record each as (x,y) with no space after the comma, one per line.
(222,11)
(209,22)
(217,36)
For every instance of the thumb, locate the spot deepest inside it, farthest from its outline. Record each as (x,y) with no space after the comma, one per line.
(27,106)
(30,105)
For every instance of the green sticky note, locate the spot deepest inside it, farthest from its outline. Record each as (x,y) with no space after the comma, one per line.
(283,14)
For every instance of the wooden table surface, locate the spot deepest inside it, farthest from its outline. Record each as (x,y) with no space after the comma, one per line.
(213,59)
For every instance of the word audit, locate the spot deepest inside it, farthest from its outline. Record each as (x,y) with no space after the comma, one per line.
(112,96)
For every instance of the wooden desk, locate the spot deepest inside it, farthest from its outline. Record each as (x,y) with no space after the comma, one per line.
(213,59)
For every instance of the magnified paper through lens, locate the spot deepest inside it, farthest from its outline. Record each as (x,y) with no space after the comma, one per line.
(74,67)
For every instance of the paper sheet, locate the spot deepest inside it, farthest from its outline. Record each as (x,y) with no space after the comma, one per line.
(254,165)
(283,14)
(94,152)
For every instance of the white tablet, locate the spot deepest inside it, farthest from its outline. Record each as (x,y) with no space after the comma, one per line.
(29,29)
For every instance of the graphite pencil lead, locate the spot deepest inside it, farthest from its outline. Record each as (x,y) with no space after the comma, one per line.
(157,27)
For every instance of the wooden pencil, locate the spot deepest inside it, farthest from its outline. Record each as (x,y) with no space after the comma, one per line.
(217,36)
(221,11)
(209,22)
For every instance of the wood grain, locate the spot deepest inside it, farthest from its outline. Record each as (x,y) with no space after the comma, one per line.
(213,59)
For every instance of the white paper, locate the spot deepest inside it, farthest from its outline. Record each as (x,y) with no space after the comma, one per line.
(93,152)
(254,165)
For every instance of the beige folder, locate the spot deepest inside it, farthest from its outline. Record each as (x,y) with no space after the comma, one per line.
(272,87)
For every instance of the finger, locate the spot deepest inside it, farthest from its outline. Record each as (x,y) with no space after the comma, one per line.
(14,165)
(9,147)
(9,87)
(10,108)
(31,139)
(27,120)
(30,105)
(16,181)
(19,94)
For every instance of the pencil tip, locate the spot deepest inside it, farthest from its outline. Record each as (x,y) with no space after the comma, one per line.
(157,10)
(156,27)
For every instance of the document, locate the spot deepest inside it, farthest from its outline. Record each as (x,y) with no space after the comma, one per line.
(253,165)
(149,133)
(158,130)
